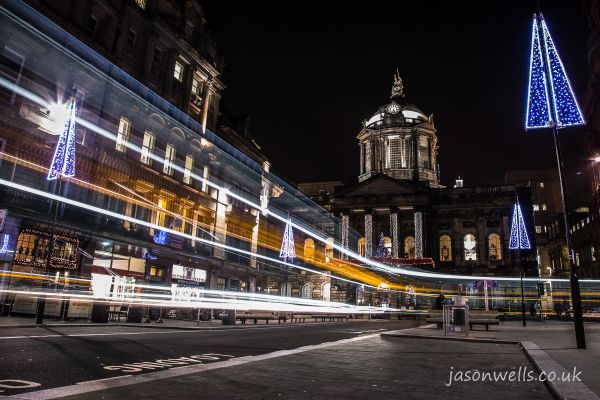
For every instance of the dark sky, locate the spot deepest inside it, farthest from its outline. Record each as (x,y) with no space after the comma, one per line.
(311,72)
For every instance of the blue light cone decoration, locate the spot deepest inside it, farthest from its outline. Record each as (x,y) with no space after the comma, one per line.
(63,161)
(518,232)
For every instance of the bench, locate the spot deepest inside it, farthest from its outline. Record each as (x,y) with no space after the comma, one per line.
(435,317)
(476,317)
(300,317)
(482,317)
(330,317)
(266,316)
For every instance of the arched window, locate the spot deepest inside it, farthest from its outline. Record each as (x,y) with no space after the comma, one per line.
(470,245)
(361,246)
(494,247)
(309,249)
(387,243)
(329,249)
(307,290)
(445,248)
(326,291)
(286,290)
(409,247)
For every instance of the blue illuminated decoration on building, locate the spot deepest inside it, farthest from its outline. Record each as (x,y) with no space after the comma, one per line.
(518,232)
(63,161)
(160,237)
(560,107)
(288,250)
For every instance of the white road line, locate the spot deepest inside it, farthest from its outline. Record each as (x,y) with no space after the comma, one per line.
(103,380)
(102,384)
(89,334)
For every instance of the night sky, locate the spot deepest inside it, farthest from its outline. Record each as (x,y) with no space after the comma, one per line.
(310,72)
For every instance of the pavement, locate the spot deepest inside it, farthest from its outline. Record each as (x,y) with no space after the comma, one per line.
(555,339)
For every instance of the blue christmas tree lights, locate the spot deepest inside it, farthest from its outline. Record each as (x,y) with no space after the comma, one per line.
(518,232)
(566,109)
(538,106)
(288,250)
(63,161)
(560,107)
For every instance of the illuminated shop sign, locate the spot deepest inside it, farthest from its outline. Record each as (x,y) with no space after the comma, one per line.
(187,275)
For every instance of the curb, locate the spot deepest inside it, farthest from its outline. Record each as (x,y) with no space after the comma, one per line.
(541,361)
(451,338)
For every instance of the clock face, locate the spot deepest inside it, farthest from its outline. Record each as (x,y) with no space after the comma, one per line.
(393,108)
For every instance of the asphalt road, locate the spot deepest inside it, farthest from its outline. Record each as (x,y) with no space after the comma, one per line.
(35,359)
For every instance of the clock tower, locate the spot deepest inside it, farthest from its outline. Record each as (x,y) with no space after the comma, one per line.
(400,141)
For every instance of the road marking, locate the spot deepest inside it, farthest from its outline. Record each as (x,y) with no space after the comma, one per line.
(89,334)
(101,384)
(103,380)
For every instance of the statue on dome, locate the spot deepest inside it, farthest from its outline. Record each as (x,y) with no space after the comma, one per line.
(398,87)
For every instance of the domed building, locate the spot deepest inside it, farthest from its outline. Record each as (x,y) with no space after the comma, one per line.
(400,141)
(464,230)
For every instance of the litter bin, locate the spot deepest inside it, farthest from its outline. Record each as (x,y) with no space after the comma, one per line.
(459,316)
(229,318)
(100,313)
(134,314)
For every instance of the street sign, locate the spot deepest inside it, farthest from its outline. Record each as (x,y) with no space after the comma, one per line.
(3,215)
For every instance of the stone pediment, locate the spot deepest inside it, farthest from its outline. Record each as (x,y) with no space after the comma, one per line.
(382,185)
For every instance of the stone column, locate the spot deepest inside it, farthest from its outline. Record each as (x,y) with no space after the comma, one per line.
(345,228)
(205,103)
(368,234)
(419,245)
(394,232)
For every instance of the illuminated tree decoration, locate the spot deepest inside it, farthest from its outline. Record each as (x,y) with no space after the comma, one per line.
(288,250)
(381,250)
(561,106)
(518,232)
(63,161)
(538,106)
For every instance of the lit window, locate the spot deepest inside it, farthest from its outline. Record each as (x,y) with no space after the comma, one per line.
(545,228)
(445,248)
(409,247)
(169,158)
(195,87)
(593,251)
(286,289)
(538,229)
(329,249)
(123,134)
(309,249)
(326,291)
(361,246)
(178,71)
(470,245)
(542,185)
(307,291)
(544,207)
(495,247)
(205,179)
(147,147)
(141,4)
(187,173)
(536,207)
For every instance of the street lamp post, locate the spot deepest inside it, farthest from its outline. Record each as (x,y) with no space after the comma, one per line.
(551,104)
(519,240)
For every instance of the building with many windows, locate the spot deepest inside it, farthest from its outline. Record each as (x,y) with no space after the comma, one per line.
(399,203)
